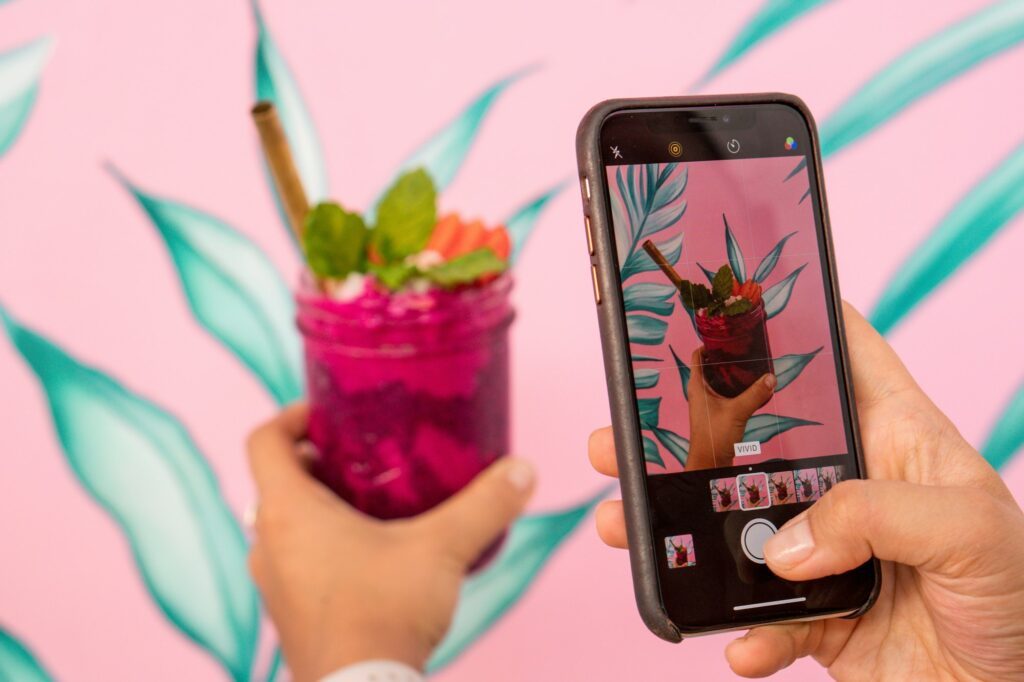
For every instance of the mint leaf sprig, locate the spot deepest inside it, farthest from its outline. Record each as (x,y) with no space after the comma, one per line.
(337,242)
(716,299)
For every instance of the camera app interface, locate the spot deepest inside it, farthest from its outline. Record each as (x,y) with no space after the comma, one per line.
(735,363)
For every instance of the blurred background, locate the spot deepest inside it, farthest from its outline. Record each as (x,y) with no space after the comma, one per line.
(919,107)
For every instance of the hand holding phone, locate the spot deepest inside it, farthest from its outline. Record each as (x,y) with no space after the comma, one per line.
(943,599)
(724,351)
(769,526)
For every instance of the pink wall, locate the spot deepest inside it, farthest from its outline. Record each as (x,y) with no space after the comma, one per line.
(162,89)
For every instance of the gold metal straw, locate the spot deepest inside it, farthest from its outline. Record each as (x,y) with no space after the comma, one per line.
(282,164)
(659,258)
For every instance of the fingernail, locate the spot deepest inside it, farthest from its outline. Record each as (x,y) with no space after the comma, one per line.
(791,545)
(520,474)
(770,381)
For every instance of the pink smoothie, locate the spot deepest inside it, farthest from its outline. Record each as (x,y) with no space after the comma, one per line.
(408,392)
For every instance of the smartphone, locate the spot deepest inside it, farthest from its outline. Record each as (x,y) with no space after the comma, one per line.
(722,330)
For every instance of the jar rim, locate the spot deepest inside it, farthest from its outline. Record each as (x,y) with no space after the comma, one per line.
(444,316)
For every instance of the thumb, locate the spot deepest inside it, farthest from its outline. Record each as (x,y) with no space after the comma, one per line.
(752,399)
(937,529)
(469,521)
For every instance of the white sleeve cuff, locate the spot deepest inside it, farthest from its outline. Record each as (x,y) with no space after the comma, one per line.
(375,671)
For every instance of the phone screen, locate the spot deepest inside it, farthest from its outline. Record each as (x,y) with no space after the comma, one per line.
(726,288)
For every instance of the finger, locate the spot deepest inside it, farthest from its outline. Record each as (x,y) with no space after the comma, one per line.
(471,520)
(766,650)
(273,455)
(876,369)
(601,450)
(893,521)
(257,564)
(753,398)
(696,371)
(610,518)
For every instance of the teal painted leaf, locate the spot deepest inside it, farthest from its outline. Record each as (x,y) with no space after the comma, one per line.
(140,464)
(649,408)
(275,83)
(646,378)
(770,260)
(20,71)
(987,208)
(732,247)
(646,330)
(275,665)
(799,167)
(803,197)
(649,297)
(639,261)
(684,372)
(645,358)
(234,291)
(788,367)
(710,274)
(1007,436)
(776,297)
(923,68)
(676,445)
(764,427)
(773,16)
(487,595)
(442,155)
(647,202)
(521,223)
(17,663)
(652,455)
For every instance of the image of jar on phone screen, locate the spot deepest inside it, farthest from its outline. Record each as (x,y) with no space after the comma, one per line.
(724,495)
(731,322)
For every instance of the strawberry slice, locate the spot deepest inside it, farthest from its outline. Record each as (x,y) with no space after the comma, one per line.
(444,233)
(497,240)
(469,238)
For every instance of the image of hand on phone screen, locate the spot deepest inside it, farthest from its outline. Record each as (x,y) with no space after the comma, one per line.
(949,533)
(717,422)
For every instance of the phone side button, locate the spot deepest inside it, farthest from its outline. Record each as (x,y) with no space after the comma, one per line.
(597,287)
(590,237)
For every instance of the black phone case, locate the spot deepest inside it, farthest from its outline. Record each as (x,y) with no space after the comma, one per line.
(615,343)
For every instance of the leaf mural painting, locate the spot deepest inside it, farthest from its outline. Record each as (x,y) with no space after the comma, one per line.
(487,595)
(275,83)
(1007,435)
(776,297)
(732,248)
(676,445)
(141,465)
(773,16)
(17,663)
(233,290)
(986,209)
(764,427)
(922,69)
(788,367)
(442,155)
(20,71)
(647,201)
(520,224)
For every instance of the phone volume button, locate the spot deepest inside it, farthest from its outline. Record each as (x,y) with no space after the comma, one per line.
(597,286)
(590,237)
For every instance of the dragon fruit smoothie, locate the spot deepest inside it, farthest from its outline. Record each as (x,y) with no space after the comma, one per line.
(408,391)
(736,351)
